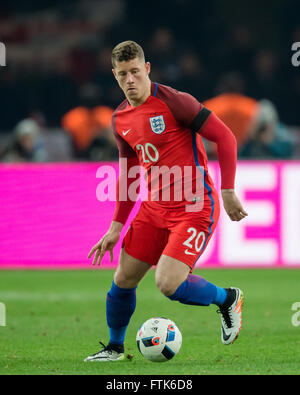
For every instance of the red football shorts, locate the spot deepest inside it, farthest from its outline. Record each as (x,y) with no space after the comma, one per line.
(173,232)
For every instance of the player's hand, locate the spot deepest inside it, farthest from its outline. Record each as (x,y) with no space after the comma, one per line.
(232,205)
(107,243)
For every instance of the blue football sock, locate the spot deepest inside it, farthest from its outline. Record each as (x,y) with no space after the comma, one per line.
(195,290)
(120,305)
(220,296)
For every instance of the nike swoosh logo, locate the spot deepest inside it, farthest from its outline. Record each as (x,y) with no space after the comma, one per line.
(127,131)
(225,337)
(187,252)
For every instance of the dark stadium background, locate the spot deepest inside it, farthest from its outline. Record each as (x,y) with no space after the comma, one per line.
(58,58)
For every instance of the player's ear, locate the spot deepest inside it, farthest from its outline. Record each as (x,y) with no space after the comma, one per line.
(148,67)
(114,73)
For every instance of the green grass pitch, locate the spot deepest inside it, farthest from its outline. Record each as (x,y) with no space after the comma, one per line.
(54,319)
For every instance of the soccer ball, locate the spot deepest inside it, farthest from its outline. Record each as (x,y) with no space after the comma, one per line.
(159,339)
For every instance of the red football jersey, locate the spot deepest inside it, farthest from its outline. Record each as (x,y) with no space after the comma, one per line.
(164,134)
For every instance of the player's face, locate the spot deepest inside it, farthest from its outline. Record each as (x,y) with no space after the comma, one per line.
(133,79)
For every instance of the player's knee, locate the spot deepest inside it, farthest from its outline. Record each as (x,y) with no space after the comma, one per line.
(165,285)
(123,280)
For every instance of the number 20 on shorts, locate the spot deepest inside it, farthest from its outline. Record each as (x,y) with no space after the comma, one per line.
(196,238)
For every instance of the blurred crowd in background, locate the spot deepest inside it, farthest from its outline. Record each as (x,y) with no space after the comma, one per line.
(58,92)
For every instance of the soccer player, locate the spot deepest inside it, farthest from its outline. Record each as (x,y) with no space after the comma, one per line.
(158,126)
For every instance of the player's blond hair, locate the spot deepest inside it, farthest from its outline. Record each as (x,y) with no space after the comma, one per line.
(126,50)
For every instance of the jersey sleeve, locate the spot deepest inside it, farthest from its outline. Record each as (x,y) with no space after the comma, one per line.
(183,106)
(124,203)
(215,130)
(125,150)
(126,153)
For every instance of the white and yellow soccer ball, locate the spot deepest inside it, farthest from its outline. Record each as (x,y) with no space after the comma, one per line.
(159,339)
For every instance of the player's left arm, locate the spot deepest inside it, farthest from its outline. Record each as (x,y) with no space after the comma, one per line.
(193,115)
(213,129)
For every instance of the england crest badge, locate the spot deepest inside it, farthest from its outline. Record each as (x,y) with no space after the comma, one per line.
(157,124)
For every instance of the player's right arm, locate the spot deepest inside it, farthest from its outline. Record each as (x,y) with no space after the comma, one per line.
(124,202)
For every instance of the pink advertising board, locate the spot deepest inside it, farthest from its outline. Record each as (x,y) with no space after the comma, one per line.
(52,214)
